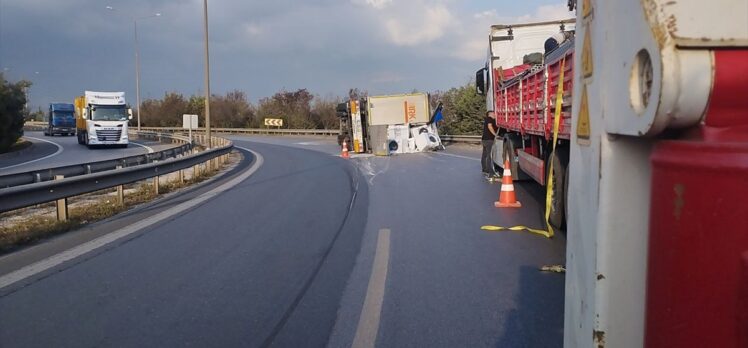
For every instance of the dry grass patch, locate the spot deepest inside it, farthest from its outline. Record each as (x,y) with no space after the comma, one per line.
(28,225)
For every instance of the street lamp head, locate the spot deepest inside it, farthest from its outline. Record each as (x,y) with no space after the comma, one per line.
(110,8)
(158,14)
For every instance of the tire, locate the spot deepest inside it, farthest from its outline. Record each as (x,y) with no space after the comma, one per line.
(557,217)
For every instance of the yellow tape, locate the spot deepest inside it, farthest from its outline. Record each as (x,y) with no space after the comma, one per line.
(549,185)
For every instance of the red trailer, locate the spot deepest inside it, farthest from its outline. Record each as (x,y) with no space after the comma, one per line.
(522,96)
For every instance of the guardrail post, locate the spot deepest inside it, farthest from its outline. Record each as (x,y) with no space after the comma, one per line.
(88,169)
(62,204)
(155,185)
(120,192)
(37,177)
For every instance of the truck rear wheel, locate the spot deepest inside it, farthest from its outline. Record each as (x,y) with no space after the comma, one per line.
(557,217)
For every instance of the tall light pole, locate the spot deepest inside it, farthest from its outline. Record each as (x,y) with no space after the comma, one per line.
(207,76)
(137,57)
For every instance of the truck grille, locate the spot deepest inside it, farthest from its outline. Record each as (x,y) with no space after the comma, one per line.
(108,135)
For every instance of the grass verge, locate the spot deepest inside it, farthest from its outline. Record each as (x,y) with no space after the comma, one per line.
(30,225)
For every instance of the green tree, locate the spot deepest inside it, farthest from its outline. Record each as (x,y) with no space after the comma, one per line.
(293,107)
(464,110)
(12,105)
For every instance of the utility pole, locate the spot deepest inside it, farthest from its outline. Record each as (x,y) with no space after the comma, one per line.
(207,76)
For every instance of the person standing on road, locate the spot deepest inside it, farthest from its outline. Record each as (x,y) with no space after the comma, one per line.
(489,135)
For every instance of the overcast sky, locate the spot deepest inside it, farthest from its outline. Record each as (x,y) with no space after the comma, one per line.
(260,47)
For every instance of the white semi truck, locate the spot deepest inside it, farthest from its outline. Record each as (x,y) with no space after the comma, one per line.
(101,119)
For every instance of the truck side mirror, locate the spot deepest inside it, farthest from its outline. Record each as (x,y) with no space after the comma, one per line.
(85,114)
(480,81)
(129,114)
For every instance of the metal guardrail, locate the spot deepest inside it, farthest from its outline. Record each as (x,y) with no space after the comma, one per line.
(57,190)
(468,139)
(47,174)
(259,131)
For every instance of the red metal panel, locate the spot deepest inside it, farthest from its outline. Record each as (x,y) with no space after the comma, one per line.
(698,236)
(697,278)
(729,102)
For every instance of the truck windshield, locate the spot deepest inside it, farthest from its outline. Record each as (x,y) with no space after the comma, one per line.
(63,115)
(108,113)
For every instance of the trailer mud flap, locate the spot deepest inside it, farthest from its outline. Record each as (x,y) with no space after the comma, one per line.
(533,166)
(497,153)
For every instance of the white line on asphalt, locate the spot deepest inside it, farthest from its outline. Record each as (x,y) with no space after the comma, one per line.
(458,156)
(150,150)
(58,259)
(368,323)
(59,150)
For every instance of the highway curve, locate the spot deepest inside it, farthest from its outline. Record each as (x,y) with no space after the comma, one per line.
(251,266)
(310,250)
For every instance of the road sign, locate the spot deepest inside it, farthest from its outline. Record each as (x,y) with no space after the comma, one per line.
(273,122)
(189,121)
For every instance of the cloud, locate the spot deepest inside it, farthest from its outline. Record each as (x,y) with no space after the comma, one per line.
(377,4)
(327,46)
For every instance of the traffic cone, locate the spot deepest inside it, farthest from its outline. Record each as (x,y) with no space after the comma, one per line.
(507,198)
(344,153)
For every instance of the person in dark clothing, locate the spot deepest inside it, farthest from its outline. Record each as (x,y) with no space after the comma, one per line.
(489,134)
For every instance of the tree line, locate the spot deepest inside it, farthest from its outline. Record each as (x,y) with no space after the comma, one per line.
(463,110)
(12,111)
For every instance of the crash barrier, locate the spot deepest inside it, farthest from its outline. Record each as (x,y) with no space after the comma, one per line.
(63,187)
(468,139)
(47,174)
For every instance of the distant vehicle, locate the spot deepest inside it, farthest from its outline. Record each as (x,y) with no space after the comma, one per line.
(101,119)
(61,119)
(390,124)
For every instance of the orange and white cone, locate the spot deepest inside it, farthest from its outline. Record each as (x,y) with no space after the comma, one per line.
(507,198)
(344,152)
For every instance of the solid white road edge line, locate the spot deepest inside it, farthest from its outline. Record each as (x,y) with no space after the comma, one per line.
(56,260)
(458,156)
(59,151)
(150,150)
(368,322)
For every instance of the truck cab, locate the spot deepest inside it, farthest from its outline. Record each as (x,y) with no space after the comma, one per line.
(102,118)
(60,119)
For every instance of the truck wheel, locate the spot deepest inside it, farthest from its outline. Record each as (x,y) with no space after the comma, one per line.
(558,197)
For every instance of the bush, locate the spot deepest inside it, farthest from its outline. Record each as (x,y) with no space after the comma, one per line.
(12,103)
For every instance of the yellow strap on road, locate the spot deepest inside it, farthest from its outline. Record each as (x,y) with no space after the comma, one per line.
(549,185)
(517,228)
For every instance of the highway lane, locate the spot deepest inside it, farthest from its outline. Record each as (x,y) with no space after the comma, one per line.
(66,151)
(255,265)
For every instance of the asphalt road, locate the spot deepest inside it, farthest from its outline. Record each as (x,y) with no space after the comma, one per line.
(287,258)
(46,152)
